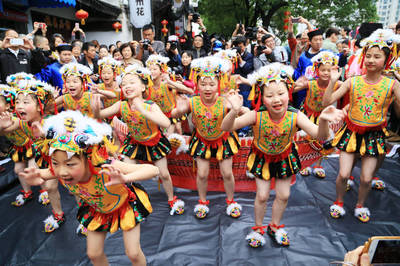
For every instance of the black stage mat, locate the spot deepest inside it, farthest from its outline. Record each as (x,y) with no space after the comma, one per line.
(316,239)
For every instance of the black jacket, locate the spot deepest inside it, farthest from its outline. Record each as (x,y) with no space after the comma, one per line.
(10,64)
(95,65)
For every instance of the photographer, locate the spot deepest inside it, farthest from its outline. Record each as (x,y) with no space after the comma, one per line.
(172,49)
(279,52)
(148,45)
(263,55)
(245,65)
(200,44)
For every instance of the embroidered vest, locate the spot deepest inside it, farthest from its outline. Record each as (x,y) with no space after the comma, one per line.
(96,194)
(18,136)
(82,105)
(208,119)
(141,129)
(369,103)
(163,97)
(272,137)
(106,101)
(313,101)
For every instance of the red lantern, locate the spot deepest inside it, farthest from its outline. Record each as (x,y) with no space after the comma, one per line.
(285,27)
(117,26)
(287,13)
(82,15)
(286,20)
(164,30)
(164,22)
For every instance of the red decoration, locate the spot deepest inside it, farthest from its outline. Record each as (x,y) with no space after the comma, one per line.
(164,30)
(287,13)
(82,15)
(117,26)
(286,20)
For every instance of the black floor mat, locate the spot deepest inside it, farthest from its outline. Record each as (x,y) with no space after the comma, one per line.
(316,239)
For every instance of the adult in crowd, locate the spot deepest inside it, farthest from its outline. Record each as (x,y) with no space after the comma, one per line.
(172,49)
(103,52)
(13,57)
(128,55)
(279,53)
(299,44)
(199,44)
(331,38)
(89,59)
(75,30)
(148,45)
(263,55)
(77,49)
(116,54)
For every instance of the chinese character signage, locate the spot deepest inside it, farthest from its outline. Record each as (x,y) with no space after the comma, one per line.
(140,12)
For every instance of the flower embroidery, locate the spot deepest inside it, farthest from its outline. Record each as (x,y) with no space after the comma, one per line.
(275,132)
(208,115)
(367,110)
(369,94)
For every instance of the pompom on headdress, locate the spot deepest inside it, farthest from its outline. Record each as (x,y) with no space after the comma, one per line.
(13,79)
(230,55)
(158,60)
(109,62)
(8,93)
(210,66)
(135,69)
(274,72)
(394,67)
(324,57)
(74,133)
(381,38)
(78,70)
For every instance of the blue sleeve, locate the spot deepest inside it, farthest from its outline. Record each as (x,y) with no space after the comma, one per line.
(248,66)
(299,70)
(44,75)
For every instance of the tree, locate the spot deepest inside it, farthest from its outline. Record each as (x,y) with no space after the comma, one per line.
(223,15)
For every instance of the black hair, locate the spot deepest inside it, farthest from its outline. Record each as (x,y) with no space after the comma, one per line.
(127,44)
(117,42)
(76,42)
(111,45)
(267,36)
(298,36)
(398,26)
(53,40)
(103,46)
(87,45)
(189,53)
(345,41)
(331,31)
(347,30)
(239,40)
(116,50)
(147,27)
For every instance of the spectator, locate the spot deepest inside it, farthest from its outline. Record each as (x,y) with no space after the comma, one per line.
(40,56)
(263,55)
(279,52)
(51,74)
(184,68)
(97,44)
(331,38)
(148,45)
(117,55)
(13,58)
(172,49)
(299,44)
(103,52)
(118,43)
(82,36)
(89,59)
(199,44)
(77,49)
(57,39)
(111,48)
(344,32)
(128,53)
(245,66)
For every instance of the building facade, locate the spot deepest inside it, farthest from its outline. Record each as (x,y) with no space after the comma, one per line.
(388,11)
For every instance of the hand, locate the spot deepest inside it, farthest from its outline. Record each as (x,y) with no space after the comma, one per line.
(57,92)
(165,77)
(116,176)
(239,58)
(335,75)
(32,176)
(95,103)
(5,120)
(200,22)
(267,50)
(356,257)
(6,43)
(94,88)
(237,26)
(151,50)
(36,26)
(37,130)
(28,44)
(235,100)
(181,102)
(332,114)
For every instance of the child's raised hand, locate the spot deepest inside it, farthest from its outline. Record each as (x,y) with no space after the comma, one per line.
(116,176)
(37,130)
(95,103)
(235,100)
(181,102)
(332,114)
(32,176)
(335,75)
(5,120)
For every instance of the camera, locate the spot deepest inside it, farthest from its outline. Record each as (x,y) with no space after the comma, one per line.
(16,42)
(146,43)
(196,17)
(251,32)
(261,48)
(174,45)
(237,49)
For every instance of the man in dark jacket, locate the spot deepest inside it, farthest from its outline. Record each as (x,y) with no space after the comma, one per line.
(13,58)
(90,59)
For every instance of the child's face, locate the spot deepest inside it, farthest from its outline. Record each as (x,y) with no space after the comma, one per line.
(324,71)
(276,98)
(186,60)
(27,107)
(208,88)
(155,71)
(72,170)
(4,106)
(374,59)
(107,75)
(73,85)
(103,52)
(132,86)
(118,56)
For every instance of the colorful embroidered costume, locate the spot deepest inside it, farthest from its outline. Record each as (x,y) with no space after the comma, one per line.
(22,145)
(109,208)
(110,101)
(163,97)
(273,151)
(82,105)
(208,140)
(364,130)
(144,141)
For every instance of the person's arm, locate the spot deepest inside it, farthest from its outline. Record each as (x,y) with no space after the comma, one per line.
(234,33)
(36,177)
(7,123)
(105,93)
(231,122)
(182,107)
(301,84)
(299,69)
(121,173)
(320,132)
(310,27)
(178,86)
(331,96)
(246,64)
(97,105)
(154,114)
(33,32)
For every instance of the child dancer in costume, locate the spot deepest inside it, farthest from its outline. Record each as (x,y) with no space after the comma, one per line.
(229,81)
(208,140)
(21,151)
(323,63)
(79,146)
(274,153)
(145,141)
(163,90)
(364,130)
(108,70)
(34,101)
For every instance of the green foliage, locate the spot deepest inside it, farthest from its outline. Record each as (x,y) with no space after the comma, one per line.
(222,15)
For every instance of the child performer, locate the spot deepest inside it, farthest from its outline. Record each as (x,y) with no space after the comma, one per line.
(364,130)
(108,70)
(145,141)
(274,153)
(79,146)
(35,100)
(208,140)
(163,90)
(323,63)
(21,151)
(229,80)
